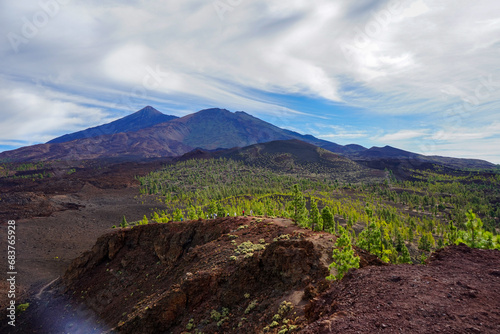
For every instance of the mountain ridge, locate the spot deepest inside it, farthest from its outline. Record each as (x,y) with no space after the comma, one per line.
(208,129)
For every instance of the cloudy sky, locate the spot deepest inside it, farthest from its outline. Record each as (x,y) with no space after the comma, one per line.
(419,75)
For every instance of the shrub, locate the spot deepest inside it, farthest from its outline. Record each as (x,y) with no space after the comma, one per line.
(251,306)
(248,247)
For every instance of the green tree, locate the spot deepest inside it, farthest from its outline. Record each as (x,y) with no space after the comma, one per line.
(192,215)
(316,221)
(299,204)
(178,216)
(369,211)
(144,221)
(399,241)
(424,243)
(405,255)
(328,222)
(370,239)
(343,256)
(124,222)
(474,226)
(221,211)
(212,208)
(423,258)
(200,213)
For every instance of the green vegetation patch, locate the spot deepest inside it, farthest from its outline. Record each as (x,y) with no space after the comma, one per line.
(248,247)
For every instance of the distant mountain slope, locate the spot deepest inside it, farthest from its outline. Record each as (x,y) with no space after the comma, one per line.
(462,163)
(121,145)
(293,156)
(386,152)
(141,119)
(289,154)
(392,154)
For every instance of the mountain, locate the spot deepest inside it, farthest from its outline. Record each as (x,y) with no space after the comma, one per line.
(219,128)
(141,119)
(148,133)
(207,129)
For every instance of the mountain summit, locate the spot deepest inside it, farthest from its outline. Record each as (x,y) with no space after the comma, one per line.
(144,118)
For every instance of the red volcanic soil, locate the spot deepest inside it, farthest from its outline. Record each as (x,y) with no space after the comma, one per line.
(458,291)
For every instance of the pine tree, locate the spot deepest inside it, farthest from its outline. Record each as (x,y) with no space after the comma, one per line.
(316,222)
(178,216)
(399,241)
(212,208)
(343,256)
(452,235)
(192,213)
(423,258)
(221,211)
(328,222)
(474,225)
(299,204)
(410,234)
(124,222)
(369,211)
(370,239)
(424,243)
(200,213)
(405,255)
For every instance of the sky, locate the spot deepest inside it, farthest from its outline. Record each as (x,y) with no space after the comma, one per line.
(419,75)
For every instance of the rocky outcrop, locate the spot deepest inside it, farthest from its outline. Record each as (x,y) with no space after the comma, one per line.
(157,277)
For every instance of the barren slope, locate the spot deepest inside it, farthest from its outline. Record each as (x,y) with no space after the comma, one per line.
(457,292)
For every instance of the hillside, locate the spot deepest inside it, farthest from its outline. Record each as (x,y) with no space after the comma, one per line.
(253,275)
(155,278)
(292,156)
(394,158)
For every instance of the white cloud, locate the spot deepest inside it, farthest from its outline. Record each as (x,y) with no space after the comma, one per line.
(418,59)
(335,136)
(471,149)
(468,133)
(401,135)
(36,118)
